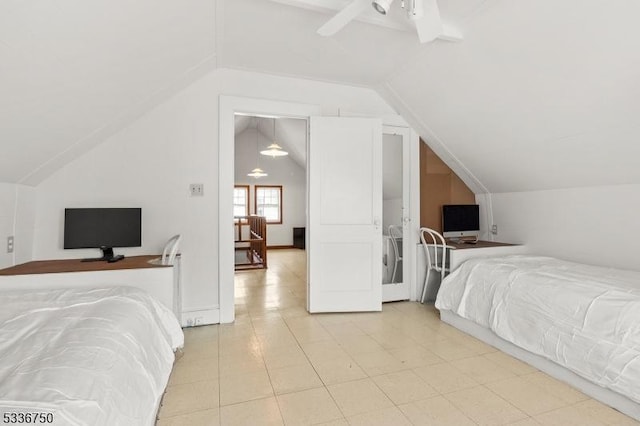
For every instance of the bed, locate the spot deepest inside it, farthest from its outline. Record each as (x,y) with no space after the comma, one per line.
(576,322)
(85,357)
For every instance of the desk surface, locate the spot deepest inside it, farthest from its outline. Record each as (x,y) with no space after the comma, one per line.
(76,265)
(479,244)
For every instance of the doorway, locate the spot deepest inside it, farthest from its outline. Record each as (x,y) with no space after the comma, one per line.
(228,107)
(269,209)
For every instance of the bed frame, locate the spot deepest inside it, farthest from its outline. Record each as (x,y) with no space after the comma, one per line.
(609,397)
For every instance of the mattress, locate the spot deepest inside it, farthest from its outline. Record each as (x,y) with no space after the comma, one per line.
(584,318)
(85,357)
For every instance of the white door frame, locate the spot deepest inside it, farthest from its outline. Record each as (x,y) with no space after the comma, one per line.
(229,106)
(414,207)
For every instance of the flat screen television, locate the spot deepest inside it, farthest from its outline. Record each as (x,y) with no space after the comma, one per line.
(462,220)
(103,228)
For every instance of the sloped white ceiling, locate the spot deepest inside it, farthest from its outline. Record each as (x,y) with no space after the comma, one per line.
(70,69)
(538,95)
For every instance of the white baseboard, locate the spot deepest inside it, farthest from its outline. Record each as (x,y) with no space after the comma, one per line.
(202,316)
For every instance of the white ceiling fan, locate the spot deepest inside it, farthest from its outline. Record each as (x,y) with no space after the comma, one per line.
(423,13)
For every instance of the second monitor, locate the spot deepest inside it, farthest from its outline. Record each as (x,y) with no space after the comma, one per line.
(461,220)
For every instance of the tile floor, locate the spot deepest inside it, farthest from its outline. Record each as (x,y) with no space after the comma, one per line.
(279,365)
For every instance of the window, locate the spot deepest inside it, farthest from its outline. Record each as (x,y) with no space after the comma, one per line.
(269,202)
(241,200)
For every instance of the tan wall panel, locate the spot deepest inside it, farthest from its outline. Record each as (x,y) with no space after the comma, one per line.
(424,201)
(439,185)
(434,163)
(460,193)
(438,188)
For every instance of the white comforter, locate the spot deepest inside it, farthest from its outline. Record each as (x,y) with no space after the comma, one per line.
(585,318)
(89,357)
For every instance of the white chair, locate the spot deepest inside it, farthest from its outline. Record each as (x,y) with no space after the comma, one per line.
(170,250)
(395,234)
(435,262)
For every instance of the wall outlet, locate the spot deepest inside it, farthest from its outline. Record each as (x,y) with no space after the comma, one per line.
(196,189)
(10,244)
(494,229)
(195,321)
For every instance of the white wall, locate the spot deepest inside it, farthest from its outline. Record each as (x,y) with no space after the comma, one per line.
(151,163)
(17,204)
(596,225)
(282,171)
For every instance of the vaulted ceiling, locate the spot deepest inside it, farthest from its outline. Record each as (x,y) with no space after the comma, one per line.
(289,133)
(538,95)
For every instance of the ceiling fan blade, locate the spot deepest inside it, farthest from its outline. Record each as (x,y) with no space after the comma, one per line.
(427,20)
(342,18)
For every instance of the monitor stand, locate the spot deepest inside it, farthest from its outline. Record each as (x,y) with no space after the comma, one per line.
(107,256)
(463,240)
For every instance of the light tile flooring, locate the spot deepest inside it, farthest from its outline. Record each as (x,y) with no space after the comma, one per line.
(279,365)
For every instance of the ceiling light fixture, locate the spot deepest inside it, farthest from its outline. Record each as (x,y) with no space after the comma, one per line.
(257,172)
(274,149)
(382,6)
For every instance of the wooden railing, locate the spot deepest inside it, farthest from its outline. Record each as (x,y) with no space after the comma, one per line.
(250,239)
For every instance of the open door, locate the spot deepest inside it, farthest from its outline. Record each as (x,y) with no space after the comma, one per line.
(396,214)
(345,214)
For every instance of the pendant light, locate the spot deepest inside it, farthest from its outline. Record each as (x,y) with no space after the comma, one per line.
(257,172)
(274,149)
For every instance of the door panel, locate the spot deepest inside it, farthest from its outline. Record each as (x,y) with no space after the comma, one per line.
(396,212)
(345,213)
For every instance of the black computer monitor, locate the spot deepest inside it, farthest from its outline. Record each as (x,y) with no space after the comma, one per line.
(462,220)
(103,228)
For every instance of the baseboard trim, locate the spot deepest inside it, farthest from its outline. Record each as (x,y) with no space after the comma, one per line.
(279,247)
(197,317)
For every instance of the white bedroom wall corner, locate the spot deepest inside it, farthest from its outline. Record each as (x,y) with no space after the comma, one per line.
(486,216)
(7,220)
(24,224)
(17,217)
(593,225)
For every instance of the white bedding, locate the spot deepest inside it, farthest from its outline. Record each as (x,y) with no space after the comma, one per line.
(584,318)
(89,357)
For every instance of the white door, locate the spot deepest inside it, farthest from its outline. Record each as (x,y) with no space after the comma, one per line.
(345,214)
(396,213)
